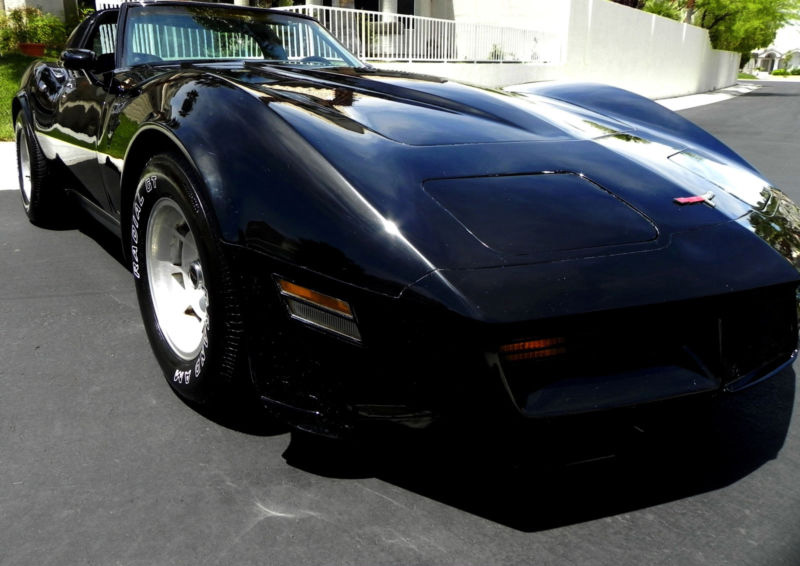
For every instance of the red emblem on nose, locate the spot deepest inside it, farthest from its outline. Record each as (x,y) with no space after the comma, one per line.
(706,198)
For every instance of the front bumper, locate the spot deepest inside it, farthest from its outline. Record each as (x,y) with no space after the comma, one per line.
(420,360)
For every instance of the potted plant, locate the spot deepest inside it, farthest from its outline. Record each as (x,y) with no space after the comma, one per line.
(30,31)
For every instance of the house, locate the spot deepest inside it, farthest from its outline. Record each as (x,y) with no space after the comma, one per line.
(58,7)
(784,53)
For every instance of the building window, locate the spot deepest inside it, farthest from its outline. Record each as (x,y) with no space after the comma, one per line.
(371,5)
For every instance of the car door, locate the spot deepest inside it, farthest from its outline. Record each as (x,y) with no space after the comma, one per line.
(79,99)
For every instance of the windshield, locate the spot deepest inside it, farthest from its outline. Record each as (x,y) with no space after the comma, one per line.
(156,33)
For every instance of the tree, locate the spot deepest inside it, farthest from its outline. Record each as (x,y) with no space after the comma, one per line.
(689,11)
(668,8)
(744,25)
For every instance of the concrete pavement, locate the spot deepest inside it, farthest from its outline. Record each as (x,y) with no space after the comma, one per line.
(8,167)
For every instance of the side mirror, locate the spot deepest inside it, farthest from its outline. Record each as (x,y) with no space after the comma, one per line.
(78,59)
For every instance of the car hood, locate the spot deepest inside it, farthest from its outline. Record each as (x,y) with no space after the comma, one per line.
(402,106)
(475,178)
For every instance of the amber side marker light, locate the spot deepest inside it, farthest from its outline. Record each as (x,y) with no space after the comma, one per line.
(319,299)
(319,309)
(533,349)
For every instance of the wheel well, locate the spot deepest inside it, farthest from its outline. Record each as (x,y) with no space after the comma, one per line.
(147,144)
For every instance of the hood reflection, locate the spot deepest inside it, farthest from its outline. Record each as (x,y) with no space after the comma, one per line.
(779,225)
(738,181)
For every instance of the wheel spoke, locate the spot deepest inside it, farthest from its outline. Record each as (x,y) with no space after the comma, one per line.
(178,276)
(176,281)
(191,312)
(176,246)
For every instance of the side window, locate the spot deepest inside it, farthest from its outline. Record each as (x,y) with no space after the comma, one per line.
(74,40)
(103,40)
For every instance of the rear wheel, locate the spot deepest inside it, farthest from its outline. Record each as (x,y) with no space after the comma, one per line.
(186,293)
(42,198)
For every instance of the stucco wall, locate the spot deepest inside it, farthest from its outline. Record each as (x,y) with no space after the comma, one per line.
(651,55)
(605,42)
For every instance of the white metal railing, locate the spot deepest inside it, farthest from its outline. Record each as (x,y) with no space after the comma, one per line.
(379,36)
(182,38)
(108,38)
(180,42)
(103,4)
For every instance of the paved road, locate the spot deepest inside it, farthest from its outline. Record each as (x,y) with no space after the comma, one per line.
(102,465)
(763,127)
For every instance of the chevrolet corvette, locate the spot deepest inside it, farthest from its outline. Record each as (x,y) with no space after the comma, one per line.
(361,245)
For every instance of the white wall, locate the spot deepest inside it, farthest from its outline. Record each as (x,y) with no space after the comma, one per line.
(654,56)
(605,42)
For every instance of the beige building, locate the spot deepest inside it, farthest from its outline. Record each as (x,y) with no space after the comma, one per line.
(58,7)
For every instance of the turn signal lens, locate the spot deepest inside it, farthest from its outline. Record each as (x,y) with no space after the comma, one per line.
(319,310)
(316,298)
(534,349)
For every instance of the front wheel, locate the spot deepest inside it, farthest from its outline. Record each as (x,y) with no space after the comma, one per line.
(183,282)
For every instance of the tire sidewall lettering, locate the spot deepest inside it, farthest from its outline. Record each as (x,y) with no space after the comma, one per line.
(138,203)
(150,183)
(184,374)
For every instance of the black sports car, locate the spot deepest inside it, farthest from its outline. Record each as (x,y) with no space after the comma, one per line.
(365,244)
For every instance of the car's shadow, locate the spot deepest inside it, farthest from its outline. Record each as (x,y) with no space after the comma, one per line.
(109,242)
(569,474)
(768,93)
(241,413)
(81,221)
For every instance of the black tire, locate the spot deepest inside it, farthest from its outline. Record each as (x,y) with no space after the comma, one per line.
(169,214)
(42,198)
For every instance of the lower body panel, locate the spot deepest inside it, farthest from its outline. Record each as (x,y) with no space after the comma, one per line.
(417,361)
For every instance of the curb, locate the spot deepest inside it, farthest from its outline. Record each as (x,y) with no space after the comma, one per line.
(694,100)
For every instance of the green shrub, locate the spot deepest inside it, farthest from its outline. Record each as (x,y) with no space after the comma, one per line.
(666,8)
(780,72)
(795,71)
(75,18)
(30,25)
(12,66)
